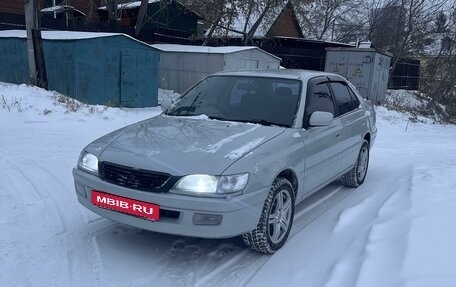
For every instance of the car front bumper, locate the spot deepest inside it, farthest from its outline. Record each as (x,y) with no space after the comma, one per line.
(239,214)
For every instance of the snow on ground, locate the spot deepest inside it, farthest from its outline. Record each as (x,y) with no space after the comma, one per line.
(397,229)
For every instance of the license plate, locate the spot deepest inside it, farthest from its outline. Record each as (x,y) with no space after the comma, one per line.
(126,205)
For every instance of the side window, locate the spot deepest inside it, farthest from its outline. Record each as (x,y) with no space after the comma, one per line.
(318,99)
(354,98)
(343,98)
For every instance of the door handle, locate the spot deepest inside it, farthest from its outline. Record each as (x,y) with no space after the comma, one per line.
(338,135)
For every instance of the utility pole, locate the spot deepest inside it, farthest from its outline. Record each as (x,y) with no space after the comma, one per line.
(37,69)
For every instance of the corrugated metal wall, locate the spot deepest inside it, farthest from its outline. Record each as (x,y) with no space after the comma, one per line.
(181,70)
(13,61)
(116,70)
(366,69)
(250,59)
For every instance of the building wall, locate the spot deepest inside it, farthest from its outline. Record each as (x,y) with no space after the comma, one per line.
(13,54)
(17,6)
(84,5)
(12,6)
(285,25)
(250,59)
(180,71)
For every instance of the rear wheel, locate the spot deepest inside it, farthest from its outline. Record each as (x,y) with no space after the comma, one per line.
(357,174)
(276,219)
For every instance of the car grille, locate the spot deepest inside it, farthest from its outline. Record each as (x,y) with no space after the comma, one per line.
(132,177)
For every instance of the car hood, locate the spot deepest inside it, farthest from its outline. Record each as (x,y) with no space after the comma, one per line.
(183,145)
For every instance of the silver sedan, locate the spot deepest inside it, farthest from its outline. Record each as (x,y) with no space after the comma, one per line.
(233,156)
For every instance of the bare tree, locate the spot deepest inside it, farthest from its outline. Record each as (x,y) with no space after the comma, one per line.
(330,19)
(266,10)
(439,69)
(235,17)
(215,13)
(401,26)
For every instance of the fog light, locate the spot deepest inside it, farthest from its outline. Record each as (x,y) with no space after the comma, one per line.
(80,189)
(206,219)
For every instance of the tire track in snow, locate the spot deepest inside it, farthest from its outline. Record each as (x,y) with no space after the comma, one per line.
(71,240)
(63,187)
(33,206)
(83,252)
(243,267)
(53,208)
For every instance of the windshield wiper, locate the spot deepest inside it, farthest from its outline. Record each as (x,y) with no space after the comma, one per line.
(180,110)
(262,122)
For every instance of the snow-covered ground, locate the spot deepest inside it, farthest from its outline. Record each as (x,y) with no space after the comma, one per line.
(397,229)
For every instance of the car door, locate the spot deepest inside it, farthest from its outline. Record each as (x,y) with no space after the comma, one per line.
(353,122)
(323,147)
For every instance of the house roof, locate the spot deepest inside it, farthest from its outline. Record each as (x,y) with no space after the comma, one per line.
(234,26)
(206,49)
(137,4)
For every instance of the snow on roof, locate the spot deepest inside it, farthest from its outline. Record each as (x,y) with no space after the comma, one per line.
(137,4)
(201,49)
(57,35)
(234,26)
(65,35)
(206,49)
(60,8)
(129,5)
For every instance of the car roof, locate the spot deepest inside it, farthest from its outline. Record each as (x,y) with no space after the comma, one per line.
(279,73)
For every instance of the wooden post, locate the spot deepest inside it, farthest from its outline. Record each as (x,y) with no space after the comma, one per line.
(37,67)
(30,23)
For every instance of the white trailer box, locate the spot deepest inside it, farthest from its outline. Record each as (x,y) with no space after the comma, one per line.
(366,68)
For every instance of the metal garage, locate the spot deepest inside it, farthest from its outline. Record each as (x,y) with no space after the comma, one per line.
(95,68)
(182,66)
(366,68)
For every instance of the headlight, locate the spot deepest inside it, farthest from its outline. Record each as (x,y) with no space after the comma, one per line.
(208,184)
(233,183)
(88,162)
(198,183)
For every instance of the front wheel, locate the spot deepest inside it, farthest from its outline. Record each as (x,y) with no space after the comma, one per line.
(357,174)
(276,219)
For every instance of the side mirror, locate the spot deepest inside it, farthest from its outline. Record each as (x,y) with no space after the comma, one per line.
(320,119)
(165,104)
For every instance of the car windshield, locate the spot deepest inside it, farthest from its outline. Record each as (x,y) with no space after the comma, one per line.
(263,100)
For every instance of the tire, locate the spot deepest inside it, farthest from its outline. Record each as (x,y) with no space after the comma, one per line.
(355,177)
(276,219)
